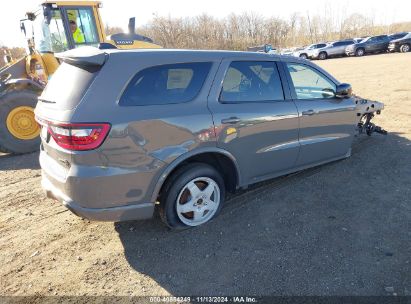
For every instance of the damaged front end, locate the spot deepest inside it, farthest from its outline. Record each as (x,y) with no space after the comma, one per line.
(366,110)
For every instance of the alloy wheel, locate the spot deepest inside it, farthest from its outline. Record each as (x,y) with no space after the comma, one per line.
(198,201)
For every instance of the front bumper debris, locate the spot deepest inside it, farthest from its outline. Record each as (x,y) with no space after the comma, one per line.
(366,110)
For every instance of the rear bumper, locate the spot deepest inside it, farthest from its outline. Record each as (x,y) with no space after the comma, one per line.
(114,214)
(100,193)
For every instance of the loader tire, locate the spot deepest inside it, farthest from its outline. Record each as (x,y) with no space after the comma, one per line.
(19,132)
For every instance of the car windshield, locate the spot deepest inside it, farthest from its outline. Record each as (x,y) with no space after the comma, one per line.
(49,37)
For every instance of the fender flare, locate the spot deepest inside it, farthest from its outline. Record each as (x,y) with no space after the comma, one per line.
(170,167)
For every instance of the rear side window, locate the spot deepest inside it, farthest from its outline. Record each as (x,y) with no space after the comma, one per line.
(166,84)
(251,81)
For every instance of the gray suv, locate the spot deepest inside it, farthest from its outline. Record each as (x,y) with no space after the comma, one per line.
(124,131)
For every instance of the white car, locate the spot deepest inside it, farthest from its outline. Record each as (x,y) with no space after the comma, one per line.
(309,51)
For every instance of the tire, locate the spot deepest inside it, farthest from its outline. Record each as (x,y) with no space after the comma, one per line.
(303,56)
(360,52)
(8,142)
(405,48)
(322,56)
(191,180)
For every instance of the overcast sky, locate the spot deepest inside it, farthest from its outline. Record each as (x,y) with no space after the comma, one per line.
(117,12)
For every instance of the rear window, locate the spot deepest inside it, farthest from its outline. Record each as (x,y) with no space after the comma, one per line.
(68,85)
(166,84)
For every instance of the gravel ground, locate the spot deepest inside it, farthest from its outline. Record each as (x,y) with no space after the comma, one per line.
(339,229)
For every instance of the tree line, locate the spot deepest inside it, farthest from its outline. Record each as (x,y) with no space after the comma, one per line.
(239,31)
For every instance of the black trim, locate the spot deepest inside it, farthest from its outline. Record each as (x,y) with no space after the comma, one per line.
(106,46)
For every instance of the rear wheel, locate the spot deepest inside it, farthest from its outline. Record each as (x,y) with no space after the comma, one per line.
(19,132)
(359,52)
(405,48)
(322,56)
(193,196)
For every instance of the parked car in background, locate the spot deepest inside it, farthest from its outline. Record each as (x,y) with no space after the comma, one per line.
(397,36)
(333,49)
(290,51)
(358,40)
(376,44)
(124,130)
(402,45)
(308,51)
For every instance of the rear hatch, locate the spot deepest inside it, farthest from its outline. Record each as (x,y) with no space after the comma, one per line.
(70,82)
(56,105)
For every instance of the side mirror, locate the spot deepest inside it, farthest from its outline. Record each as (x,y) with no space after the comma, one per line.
(344,90)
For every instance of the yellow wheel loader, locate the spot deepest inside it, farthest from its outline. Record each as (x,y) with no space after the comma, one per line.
(54,27)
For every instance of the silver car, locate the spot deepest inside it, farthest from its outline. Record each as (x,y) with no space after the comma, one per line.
(123,131)
(334,49)
(309,51)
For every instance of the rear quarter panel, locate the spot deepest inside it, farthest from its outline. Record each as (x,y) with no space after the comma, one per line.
(143,138)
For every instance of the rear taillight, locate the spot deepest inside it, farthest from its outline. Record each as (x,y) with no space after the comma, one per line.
(77,136)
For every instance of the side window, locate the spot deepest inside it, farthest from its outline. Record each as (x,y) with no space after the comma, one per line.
(82,27)
(309,83)
(166,84)
(251,81)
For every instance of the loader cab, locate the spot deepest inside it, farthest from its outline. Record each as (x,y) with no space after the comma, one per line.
(52,26)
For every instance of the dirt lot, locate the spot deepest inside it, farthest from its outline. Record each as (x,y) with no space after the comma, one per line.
(339,229)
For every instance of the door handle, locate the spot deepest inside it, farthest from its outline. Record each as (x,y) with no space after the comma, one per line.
(308,112)
(231,120)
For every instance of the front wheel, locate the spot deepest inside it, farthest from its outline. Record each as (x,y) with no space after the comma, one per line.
(19,132)
(192,197)
(404,48)
(322,56)
(303,56)
(359,52)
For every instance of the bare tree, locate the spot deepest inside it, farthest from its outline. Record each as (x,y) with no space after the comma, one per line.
(239,31)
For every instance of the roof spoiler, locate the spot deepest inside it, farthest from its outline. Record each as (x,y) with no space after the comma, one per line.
(84,56)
